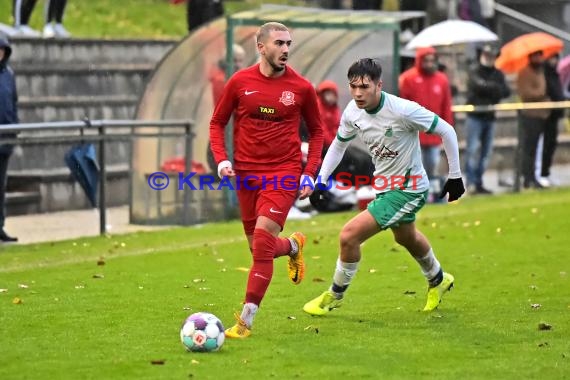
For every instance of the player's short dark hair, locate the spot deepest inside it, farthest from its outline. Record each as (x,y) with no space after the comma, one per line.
(267,28)
(365,67)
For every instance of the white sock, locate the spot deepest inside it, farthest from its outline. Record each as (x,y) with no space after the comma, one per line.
(343,275)
(429,264)
(248,313)
(294,247)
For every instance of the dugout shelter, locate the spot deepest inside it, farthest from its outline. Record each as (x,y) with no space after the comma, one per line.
(325,43)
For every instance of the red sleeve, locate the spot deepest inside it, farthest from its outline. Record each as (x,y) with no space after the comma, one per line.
(220,118)
(312,118)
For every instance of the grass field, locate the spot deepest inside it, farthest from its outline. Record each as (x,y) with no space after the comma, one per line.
(125,18)
(79,319)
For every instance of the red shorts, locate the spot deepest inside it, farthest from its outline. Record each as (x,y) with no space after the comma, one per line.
(271,196)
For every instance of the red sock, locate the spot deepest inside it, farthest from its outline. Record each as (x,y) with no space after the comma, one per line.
(282,247)
(262,268)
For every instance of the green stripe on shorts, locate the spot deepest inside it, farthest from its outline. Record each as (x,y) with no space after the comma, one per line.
(393,208)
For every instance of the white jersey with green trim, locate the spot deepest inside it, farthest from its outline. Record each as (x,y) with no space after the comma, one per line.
(391,133)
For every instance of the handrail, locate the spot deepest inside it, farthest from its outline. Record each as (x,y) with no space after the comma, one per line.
(469,108)
(532,22)
(93,124)
(101,136)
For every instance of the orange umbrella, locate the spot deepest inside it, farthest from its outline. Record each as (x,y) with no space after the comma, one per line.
(514,54)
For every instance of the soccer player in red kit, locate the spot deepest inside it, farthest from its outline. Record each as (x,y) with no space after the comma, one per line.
(267,101)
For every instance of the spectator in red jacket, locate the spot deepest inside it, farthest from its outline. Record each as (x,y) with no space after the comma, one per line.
(430,88)
(330,111)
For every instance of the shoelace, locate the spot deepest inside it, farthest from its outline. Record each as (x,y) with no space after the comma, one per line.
(240,323)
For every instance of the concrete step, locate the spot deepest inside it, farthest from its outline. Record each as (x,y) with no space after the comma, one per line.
(50,156)
(56,190)
(22,202)
(63,108)
(81,79)
(89,51)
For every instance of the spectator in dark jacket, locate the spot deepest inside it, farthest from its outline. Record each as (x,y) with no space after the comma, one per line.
(531,87)
(8,115)
(486,86)
(550,136)
(200,12)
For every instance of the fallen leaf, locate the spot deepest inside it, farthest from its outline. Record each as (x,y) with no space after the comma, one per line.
(194,361)
(372,270)
(17,301)
(158,362)
(318,279)
(544,326)
(98,275)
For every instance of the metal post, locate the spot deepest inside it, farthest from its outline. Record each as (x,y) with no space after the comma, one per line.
(518,156)
(396,60)
(102,183)
(187,196)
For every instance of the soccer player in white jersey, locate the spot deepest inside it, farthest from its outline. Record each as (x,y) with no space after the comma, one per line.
(389,126)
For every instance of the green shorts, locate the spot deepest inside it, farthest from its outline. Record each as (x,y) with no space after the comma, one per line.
(392,208)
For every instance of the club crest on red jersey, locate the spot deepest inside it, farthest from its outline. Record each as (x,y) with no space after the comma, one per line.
(287,98)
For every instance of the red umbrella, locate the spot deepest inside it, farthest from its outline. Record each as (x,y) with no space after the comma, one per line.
(514,54)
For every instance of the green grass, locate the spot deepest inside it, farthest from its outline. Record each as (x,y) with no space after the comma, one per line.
(506,252)
(124,18)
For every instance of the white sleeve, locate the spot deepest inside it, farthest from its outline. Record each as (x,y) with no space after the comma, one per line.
(450,146)
(332,159)
(346,132)
(424,120)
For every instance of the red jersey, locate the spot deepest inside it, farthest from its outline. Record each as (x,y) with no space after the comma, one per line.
(267,115)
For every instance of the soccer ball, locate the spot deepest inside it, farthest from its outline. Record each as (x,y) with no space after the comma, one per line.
(202,332)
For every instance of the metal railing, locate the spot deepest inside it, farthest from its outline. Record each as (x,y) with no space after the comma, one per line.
(520,19)
(99,131)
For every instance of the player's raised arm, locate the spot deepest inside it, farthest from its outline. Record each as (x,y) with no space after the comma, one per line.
(454,184)
(218,122)
(313,120)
